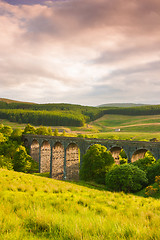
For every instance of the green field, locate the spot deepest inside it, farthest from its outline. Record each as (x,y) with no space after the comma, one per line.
(12,124)
(131,127)
(111,121)
(36,208)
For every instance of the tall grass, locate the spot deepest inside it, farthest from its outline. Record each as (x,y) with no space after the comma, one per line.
(33,207)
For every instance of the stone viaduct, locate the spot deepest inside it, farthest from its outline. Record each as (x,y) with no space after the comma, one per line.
(63,156)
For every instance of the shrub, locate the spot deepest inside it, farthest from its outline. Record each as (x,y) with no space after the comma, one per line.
(157,180)
(150,190)
(96,162)
(153,171)
(127,178)
(144,163)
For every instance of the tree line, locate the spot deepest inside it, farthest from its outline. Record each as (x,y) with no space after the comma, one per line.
(49,118)
(134,111)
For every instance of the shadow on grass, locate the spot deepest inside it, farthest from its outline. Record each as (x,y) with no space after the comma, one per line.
(91,185)
(100,187)
(46,174)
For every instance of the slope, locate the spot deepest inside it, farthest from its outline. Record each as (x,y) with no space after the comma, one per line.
(39,208)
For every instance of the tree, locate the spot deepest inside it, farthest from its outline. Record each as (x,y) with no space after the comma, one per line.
(2,138)
(96,162)
(6,130)
(42,130)
(64,133)
(22,162)
(6,162)
(16,135)
(56,132)
(29,129)
(50,131)
(127,178)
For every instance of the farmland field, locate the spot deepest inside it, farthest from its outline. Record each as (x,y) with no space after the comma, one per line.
(110,122)
(131,127)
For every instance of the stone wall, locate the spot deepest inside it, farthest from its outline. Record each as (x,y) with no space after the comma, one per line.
(58,161)
(34,150)
(45,157)
(72,162)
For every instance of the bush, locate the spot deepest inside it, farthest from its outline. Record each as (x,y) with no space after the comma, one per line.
(96,162)
(127,178)
(153,171)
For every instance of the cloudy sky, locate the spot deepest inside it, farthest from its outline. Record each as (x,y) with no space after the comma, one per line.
(86,52)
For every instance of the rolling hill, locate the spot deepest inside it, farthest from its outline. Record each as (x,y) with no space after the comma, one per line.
(34,208)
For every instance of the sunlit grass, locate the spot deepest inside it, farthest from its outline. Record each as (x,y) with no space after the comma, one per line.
(133,136)
(33,207)
(113,120)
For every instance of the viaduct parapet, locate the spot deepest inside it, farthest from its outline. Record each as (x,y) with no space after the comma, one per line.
(63,156)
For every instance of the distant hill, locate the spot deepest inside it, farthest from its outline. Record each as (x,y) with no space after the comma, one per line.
(122,105)
(6,100)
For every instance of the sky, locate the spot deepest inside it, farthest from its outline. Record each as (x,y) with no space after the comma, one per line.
(87,52)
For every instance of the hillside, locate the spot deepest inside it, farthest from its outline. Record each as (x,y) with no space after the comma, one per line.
(121,105)
(61,114)
(39,208)
(111,122)
(6,100)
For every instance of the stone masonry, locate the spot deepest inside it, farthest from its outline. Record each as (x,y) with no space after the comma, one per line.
(63,156)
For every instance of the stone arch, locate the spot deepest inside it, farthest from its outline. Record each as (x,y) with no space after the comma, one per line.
(34,150)
(72,162)
(115,151)
(45,157)
(139,153)
(58,161)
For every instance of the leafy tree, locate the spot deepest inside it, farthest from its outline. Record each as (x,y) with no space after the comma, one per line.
(8,148)
(153,171)
(50,131)
(2,138)
(16,135)
(64,133)
(127,178)
(42,130)
(56,132)
(96,162)
(22,162)
(6,130)
(6,162)
(29,129)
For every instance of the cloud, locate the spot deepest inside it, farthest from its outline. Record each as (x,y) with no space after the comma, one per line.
(80,51)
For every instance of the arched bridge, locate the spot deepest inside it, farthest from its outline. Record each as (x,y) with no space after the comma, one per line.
(62,156)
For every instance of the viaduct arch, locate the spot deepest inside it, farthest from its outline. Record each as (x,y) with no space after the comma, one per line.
(62,156)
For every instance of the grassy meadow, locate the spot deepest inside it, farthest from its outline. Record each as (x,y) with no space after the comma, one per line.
(138,128)
(110,122)
(36,208)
